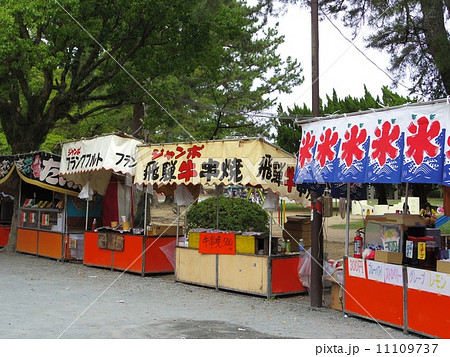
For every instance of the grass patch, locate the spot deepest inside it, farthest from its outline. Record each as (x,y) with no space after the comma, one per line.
(445,228)
(353,225)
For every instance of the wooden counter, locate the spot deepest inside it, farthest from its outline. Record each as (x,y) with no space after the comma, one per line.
(248,273)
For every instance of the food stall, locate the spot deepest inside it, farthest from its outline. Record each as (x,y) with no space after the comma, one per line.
(227,260)
(106,165)
(44,226)
(400,281)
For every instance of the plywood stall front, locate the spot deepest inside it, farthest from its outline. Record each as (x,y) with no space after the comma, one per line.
(250,266)
(403,281)
(106,165)
(44,225)
(246,269)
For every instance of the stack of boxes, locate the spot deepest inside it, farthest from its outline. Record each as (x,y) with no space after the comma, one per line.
(298,227)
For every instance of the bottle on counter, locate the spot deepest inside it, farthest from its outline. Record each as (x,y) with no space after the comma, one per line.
(288,246)
(283,246)
(94,224)
(301,246)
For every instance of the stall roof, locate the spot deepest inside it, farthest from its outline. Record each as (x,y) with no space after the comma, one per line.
(93,160)
(408,143)
(254,162)
(38,168)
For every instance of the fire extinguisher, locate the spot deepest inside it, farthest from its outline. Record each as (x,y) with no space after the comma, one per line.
(358,243)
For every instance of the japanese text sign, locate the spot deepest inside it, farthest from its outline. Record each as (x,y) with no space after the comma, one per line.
(430,281)
(217,243)
(93,160)
(402,144)
(229,162)
(356,267)
(40,169)
(421,250)
(109,152)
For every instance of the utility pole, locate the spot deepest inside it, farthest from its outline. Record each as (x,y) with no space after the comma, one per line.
(316,199)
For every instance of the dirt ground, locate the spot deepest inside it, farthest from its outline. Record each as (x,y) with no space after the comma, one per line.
(46,299)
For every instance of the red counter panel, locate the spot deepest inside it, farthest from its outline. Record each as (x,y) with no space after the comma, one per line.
(4,235)
(159,254)
(285,275)
(428,313)
(93,255)
(27,241)
(130,259)
(50,245)
(373,299)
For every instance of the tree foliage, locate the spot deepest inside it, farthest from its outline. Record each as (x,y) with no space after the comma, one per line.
(415,33)
(289,134)
(213,104)
(87,59)
(235,214)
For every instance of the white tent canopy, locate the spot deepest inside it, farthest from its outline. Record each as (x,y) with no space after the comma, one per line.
(90,162)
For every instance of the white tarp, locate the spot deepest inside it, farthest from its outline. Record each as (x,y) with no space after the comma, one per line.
(93,160)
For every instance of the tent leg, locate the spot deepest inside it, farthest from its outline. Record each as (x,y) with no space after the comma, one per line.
(347,221)
(87,215)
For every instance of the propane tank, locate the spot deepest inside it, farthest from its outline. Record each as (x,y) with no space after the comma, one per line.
(358,243)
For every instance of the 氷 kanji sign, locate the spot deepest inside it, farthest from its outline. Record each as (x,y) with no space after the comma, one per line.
(402,144)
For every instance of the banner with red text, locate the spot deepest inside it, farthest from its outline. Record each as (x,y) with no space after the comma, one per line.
(253,162)
(403,144)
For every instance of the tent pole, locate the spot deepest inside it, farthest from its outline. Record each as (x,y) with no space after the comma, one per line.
(217,206)
(87,215)
(347,221)
(270,233)
(178,224)
(406,199)
(145,211)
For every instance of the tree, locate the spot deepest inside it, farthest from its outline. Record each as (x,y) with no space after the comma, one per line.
(414,33)
(53,71)
(213,104)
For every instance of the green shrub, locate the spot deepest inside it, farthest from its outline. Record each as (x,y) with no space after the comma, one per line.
(235,214)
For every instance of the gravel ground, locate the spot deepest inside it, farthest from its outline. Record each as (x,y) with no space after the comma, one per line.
(47,299)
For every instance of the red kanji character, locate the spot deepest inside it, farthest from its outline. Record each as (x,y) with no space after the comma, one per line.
(187,170)
(181,152)
(420,142)
(350,148)
(195,151)
(324,148)
(448,152)
(157,153)
(305,154)
(382,147)
(169,155)
(290,172)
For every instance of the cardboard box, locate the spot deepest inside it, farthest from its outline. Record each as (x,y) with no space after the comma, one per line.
(388,257)
(164,230)
(443,266)
(405,220)
(337,295)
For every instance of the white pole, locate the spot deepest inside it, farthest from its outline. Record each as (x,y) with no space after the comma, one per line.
(347,218)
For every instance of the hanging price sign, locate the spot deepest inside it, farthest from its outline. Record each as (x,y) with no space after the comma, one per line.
(217,243)
(421,250)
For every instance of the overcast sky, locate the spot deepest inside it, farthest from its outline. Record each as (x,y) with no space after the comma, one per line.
(341,66)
